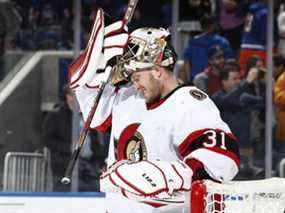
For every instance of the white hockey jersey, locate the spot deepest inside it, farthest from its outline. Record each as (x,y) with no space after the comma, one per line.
(185,124)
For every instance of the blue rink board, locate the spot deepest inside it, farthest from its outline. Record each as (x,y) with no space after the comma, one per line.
(52,194)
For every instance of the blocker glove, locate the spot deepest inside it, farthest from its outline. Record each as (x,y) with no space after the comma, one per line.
(104,44)
(147,178)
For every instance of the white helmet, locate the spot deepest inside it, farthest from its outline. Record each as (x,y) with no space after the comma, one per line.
(148,47)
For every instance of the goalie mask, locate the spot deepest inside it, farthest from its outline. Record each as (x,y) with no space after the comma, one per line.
(148,47)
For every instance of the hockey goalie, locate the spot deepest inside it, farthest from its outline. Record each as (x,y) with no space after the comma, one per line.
(164,134)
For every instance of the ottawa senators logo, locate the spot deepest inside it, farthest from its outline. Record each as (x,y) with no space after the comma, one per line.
(131,144)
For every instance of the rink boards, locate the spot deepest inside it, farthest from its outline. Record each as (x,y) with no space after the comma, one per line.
(54,202)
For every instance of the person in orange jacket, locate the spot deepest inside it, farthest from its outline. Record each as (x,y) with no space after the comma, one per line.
(279,101)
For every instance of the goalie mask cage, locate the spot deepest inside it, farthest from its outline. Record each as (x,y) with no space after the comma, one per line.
(260,196)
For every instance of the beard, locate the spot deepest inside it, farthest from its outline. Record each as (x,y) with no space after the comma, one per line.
(152,93)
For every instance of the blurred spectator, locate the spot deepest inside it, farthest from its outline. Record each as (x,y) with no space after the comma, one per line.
(231,15)
(235,103)
(22,8)
(92,161)
(254,33)
(279,101)
(66,41)
(209,80)
(3,29)
(193,10)
(40,28)
(56,133)
(48,15)
(34,18)
(88,173)
(281,29)
(257,128)
(196,52)
(48,24)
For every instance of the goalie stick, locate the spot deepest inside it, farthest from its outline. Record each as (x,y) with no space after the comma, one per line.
(74,157)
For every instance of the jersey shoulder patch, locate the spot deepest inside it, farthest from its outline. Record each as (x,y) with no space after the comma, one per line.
(197,94)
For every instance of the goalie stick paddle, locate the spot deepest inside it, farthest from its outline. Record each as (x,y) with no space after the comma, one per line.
(84,131)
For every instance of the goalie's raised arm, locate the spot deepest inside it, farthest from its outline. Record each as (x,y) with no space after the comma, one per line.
(93,68)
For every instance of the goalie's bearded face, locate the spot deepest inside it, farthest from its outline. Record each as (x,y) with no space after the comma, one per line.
(146,82)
